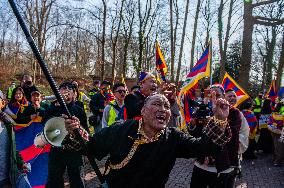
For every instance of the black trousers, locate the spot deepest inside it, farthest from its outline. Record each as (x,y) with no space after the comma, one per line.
(58,161)
(202,179)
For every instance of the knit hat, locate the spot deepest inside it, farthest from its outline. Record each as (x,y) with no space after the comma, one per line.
(218,86)
(145,76)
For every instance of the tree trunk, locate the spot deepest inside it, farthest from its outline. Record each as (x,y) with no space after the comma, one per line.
(245,64)
(224,53)
(114,43)
(172,41)
(269,56)
(182,41)
(103,41)
(220,38)
(194,34)
(280,70)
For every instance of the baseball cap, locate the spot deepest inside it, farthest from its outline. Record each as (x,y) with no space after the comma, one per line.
(35,92)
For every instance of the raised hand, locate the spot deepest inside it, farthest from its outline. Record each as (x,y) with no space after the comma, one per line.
(71,123)
(220,107)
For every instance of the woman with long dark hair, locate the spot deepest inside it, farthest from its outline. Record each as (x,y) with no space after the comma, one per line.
(17,104)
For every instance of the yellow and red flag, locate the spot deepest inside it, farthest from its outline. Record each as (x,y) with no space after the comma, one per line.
(161,65)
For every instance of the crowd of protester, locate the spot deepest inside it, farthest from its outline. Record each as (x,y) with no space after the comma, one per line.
(139,129)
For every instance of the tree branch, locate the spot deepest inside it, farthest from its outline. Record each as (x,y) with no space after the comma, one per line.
(268,21)
(264,3)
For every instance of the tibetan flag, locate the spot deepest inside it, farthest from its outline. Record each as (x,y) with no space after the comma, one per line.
(229,83)
(199,71)
(37,157)
(161,65)
(185,108)
(252,122)
(281,92)
(272,93)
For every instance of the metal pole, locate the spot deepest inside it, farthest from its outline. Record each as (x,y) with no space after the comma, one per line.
(52,84)
(210,56)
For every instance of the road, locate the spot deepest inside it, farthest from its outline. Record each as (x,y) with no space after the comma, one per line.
(259,173)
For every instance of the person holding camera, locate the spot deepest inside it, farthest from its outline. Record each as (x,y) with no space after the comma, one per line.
(219,170)
(28,86)
(142,153)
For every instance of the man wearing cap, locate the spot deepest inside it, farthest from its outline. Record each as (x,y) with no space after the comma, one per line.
(34,109)
(135,101)
(60,159)
(11,162)
(98,103)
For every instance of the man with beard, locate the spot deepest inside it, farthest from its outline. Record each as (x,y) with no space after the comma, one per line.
(135,101)
(59,158)
(142,153)
(231,97)
(219,170)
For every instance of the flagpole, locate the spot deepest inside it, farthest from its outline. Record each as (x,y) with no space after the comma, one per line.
(210,43)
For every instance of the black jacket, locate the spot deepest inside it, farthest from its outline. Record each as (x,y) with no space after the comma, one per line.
(133,104)
(151,164)
(97,103)
(57,111)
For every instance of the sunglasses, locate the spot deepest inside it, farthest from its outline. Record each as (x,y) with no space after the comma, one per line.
(121,91)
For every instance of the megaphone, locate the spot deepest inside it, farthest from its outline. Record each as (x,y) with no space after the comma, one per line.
(54,133)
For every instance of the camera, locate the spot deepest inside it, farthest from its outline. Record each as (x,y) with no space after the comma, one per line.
(200,115)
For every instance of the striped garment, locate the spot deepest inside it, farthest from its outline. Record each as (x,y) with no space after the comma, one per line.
(252,122)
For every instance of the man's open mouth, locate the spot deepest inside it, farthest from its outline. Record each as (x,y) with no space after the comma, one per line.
(161,118)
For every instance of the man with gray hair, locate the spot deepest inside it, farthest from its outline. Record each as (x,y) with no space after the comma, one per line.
(143,152)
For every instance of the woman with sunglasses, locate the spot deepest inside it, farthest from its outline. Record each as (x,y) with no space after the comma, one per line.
(113,110)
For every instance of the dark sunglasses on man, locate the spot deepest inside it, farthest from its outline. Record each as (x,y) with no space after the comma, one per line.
(121,91)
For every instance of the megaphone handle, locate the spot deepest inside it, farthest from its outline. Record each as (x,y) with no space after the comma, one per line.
(90,158)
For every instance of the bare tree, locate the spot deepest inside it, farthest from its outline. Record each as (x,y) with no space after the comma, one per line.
(194,33)
(249,21)
(103,40)
(114,39)
(182,41)
(280,70)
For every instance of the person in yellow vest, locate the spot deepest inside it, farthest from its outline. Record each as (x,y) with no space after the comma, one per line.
(280,107)
(258,101)
(10,90)
(115,108)
(96,88)
(82,99)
